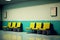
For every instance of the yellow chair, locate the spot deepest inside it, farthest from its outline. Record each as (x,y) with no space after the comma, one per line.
(46,25)
(18,24)
(14,24)
(38,25)
(32,25)
(9,25)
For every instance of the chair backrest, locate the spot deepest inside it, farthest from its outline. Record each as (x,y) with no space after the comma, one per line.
(32,25)
(46,25)
(18,24)
(9,25)
(38,25)
(14,24)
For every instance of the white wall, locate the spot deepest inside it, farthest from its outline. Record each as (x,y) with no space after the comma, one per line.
(38,12)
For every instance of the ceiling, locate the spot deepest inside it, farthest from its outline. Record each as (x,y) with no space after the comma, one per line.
(3,2)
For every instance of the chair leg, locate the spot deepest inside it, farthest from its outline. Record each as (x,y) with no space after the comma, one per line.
(44,32)
(17,30)
(39,31)
(48,32)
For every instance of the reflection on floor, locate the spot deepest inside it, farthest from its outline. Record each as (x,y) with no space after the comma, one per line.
(8,35)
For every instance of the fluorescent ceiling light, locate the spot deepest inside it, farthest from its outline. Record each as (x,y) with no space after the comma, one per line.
(7,0)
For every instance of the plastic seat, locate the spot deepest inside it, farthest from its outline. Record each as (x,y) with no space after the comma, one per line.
(10,28)
(19,26)
(46,28)
(9,25)
(38,25)
(32,25)
(46,25)
(14,25)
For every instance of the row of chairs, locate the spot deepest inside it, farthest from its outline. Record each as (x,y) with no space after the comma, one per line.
(41,28)
(13,26)
(38,26)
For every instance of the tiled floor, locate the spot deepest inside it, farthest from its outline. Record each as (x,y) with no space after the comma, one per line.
(8,35)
